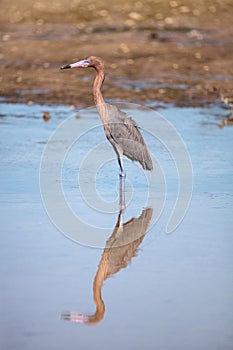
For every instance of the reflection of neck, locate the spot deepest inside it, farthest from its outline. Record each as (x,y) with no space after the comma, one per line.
(97,285)
(103,269)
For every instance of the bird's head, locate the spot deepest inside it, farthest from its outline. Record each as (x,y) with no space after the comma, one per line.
(91,61)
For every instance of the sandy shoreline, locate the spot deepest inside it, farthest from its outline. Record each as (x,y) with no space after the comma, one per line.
(183,58)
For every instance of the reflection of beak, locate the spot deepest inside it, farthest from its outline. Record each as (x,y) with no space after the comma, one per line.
(74,317)
(66,66)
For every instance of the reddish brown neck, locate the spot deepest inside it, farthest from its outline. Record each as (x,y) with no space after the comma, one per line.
(98,97)
(99,79)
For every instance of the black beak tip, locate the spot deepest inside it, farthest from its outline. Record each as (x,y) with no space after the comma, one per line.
(66,66)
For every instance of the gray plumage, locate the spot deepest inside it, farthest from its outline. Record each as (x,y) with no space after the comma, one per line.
(126,138)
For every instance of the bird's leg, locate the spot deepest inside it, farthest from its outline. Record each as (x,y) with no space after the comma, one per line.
(122,171)
(121,199)
(121,192)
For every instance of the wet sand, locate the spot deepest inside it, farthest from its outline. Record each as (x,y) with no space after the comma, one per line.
(182,52)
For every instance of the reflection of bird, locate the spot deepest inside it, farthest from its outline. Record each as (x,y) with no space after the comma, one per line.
(118,252)
(121,131)
(119,249)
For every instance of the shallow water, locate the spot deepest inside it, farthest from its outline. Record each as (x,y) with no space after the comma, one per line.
(175,293)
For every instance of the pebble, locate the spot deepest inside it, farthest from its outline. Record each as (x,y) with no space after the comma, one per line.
(113,66)
(169,20)
(195,34)
(135,16)
(184,9)
(46,116)
(103,13)
(196,12)
(124,48)
(197,55)
(19,79)
(130,61)
(159,15)
(6,37)
(130,23)
(162,91)
(173,3)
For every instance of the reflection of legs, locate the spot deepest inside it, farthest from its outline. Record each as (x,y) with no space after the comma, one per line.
(122,171)
(121,199)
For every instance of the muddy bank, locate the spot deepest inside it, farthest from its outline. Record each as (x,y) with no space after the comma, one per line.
(153,50)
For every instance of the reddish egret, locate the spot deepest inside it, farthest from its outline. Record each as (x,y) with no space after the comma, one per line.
(121,130)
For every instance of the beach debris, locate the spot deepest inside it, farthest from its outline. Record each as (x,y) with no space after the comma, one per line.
(46,116)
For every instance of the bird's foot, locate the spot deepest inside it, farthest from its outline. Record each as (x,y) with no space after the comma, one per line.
(122,208)
(122,174)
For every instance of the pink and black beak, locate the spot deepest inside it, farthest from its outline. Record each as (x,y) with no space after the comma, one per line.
(66,66)
(79,64)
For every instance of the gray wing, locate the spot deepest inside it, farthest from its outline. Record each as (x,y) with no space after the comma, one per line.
(125,133)
(122,246)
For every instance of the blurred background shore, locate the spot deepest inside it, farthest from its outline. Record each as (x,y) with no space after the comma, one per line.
(177,51)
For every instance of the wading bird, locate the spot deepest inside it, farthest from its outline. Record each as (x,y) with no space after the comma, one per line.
(121,130)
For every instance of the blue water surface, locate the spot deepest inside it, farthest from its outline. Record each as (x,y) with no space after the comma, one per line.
(175,293)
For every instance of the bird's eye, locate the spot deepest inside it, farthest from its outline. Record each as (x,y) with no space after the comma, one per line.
(86,62)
